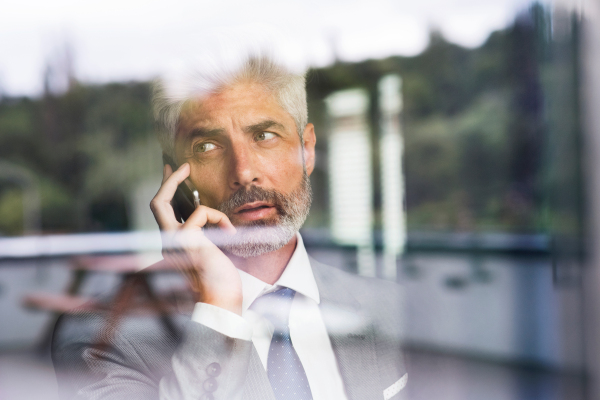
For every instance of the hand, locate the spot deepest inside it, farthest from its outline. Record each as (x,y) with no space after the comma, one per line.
(211,274)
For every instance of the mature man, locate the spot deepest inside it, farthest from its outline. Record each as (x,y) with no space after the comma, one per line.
(269,322)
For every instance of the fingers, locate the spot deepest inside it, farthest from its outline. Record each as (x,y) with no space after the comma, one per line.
(171,181)
(204,215)
(161,203)
(167,171)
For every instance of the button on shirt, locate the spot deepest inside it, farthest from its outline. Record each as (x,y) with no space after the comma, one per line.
(307,329)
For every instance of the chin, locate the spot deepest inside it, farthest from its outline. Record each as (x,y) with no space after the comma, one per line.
(255,238)
(253,241)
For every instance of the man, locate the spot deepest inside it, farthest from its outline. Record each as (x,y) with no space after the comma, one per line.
(269,322)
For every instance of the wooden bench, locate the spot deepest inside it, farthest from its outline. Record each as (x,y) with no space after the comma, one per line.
(133,296)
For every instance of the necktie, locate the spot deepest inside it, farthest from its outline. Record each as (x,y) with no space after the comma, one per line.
(285,371)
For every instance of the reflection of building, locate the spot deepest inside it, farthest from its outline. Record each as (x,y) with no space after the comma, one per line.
(350,177)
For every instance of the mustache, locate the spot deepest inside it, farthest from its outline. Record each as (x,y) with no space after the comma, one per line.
(255,193)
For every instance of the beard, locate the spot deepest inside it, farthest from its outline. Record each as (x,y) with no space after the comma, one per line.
(263,236)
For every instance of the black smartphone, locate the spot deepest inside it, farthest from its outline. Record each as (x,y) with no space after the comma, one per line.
(183,200)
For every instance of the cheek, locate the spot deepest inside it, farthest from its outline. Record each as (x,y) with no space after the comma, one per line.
(210,184)
(285,171)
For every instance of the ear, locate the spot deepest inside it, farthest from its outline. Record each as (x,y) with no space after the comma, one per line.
(309,147)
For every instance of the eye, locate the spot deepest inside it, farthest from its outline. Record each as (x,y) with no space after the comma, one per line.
(265,136)
(204,147)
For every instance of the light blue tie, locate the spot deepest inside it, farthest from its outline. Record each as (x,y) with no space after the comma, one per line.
(284,368)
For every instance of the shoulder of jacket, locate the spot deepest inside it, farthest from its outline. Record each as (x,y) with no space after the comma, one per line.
(367,288)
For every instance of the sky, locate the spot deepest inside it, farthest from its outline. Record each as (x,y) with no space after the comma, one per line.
(121,40)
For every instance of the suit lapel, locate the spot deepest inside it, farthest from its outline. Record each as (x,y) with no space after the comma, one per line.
(257,386)
(352,336)
(351,333)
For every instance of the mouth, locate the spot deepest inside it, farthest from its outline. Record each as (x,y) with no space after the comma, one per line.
(255,210)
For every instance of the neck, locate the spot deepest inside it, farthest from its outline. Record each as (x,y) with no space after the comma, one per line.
(267,267)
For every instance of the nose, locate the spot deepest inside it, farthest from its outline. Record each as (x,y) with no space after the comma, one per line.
(244,171)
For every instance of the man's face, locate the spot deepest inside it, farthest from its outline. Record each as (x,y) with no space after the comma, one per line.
(246,157)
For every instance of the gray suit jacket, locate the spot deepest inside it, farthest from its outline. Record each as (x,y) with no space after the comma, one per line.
(142,361)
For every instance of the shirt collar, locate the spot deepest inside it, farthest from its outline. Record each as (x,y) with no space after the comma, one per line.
(297,276)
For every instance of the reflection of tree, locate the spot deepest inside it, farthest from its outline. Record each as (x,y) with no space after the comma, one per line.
(473,122)
(474,126)
(88,146)
(526,127)
(27,201)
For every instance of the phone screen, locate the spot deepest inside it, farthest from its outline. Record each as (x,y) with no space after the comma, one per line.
(183,199)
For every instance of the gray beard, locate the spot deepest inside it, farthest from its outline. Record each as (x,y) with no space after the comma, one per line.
(262,236)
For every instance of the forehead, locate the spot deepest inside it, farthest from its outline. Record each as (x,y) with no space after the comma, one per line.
(242,104)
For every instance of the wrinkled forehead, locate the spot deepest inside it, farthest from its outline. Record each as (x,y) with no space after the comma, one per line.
(239,105)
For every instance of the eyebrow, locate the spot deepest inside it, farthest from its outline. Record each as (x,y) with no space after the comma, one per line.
(261,126)
(204,133)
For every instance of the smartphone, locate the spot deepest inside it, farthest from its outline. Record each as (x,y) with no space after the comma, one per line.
(183,199)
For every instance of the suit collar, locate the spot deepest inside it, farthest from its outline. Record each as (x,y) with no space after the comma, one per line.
(333,286)
(351,331)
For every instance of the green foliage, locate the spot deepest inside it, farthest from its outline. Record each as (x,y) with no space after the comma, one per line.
(57,207)
(474,127)
(11,211)
(88,147)
(456,168)
(490,139)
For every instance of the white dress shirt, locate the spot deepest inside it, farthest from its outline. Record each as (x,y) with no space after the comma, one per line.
(307,329)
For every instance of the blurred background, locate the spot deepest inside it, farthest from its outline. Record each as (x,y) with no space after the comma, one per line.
(456,154)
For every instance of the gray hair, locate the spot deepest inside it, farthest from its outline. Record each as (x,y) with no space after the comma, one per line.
(209,76)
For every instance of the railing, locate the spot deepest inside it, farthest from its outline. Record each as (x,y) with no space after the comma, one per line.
(64,245)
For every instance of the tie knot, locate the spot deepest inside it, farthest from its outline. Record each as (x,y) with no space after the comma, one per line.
(275,306)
